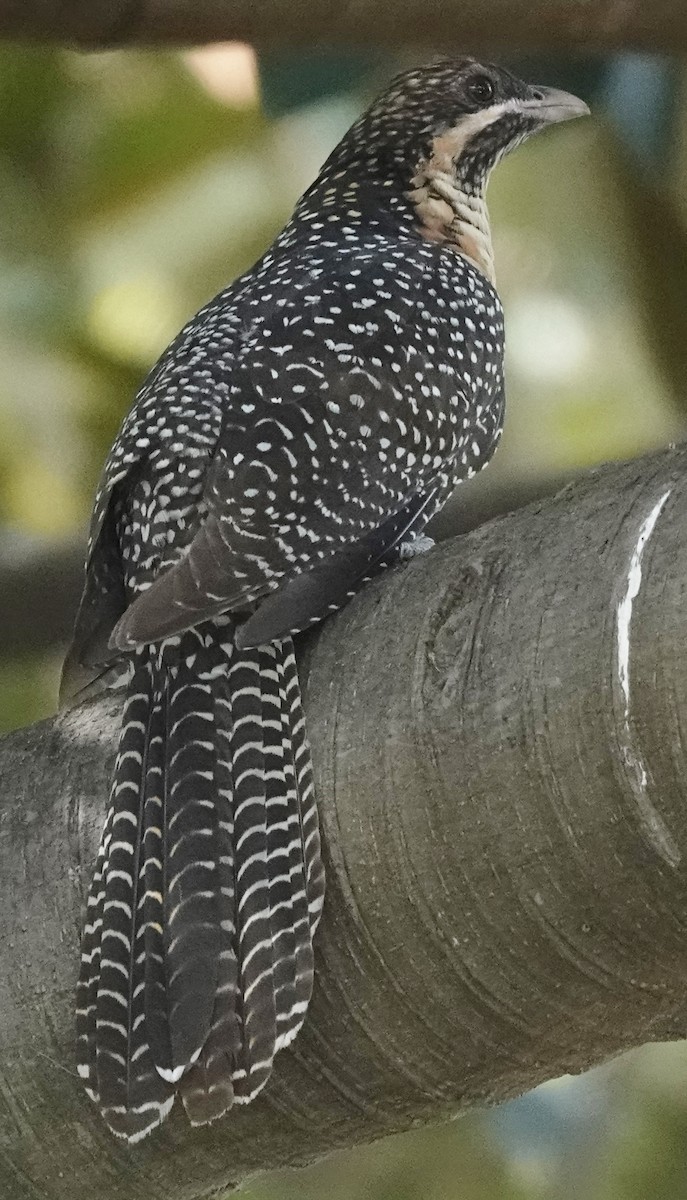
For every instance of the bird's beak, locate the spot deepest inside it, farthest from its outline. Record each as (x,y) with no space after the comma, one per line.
(550,105)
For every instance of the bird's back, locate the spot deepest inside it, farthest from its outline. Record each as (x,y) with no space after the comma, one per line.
(310,400)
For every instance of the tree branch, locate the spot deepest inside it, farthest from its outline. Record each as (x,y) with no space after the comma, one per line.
(498,737)
(40,583)
(461,24)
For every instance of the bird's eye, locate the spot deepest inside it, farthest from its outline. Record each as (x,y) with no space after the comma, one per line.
(480,89)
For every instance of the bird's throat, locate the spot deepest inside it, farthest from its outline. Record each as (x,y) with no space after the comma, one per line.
(449,212)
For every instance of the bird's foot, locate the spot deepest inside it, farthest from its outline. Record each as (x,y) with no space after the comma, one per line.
(419,545)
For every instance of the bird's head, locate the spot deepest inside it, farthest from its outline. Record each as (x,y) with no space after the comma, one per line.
(467,113)
(436,133)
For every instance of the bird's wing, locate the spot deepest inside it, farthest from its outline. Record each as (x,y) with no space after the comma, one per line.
(147,446)
(312,466)
(313,595)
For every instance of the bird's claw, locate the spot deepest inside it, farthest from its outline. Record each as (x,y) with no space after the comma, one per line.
(418,545)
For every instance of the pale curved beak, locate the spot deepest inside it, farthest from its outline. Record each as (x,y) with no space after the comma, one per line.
(551,105)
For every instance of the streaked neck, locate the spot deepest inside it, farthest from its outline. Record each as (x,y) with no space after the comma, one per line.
(449,210)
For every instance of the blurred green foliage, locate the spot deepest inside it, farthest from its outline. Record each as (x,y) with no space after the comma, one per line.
(132,187)
(618,1133)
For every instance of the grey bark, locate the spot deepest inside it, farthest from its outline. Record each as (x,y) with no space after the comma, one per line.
(463,24)
(502,791)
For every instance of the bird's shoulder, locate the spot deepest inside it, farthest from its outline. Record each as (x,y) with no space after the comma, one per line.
(322,301)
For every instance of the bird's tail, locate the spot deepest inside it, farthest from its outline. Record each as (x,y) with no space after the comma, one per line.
(197,960)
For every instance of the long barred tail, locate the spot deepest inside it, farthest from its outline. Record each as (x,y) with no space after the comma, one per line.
(197,958)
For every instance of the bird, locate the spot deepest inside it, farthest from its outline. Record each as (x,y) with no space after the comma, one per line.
(294,440)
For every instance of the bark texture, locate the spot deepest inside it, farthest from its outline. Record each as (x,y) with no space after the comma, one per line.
(448,24)
(498,731)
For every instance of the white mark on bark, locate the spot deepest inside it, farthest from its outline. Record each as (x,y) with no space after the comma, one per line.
(632,760)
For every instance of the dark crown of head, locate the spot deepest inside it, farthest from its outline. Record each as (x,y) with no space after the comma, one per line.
(437,95)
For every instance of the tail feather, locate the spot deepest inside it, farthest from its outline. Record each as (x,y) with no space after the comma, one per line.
(282,825)
(197,954)
(292,1018)
(309,823)
(192,903)
(120,991)
(122,1076)
(87,986)
(206,1088)
(258,1009)
(150,912)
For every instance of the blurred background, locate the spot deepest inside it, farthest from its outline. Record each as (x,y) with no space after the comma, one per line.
(132,187)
